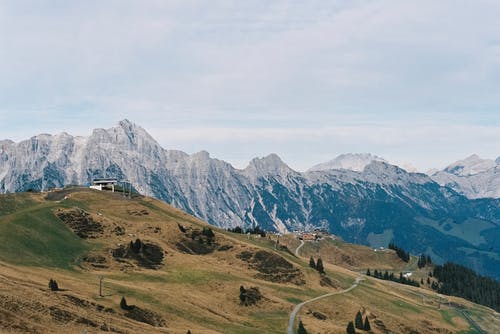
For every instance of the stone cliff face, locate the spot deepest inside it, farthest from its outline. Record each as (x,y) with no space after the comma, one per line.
(473,177)
(370,203)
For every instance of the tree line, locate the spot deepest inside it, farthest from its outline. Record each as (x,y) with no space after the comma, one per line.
(424,260)
(402,254)
(457,280)
(390,277)
(253,230)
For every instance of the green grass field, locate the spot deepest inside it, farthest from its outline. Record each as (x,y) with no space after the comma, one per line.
(37,237)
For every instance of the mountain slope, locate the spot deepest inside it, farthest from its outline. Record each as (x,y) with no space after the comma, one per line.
(195,285)
(372,206)
(473,177)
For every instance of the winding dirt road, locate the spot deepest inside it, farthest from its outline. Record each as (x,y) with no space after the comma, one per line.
(297,249)
(297,308)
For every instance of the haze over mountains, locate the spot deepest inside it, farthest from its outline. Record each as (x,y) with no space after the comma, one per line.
(452,214)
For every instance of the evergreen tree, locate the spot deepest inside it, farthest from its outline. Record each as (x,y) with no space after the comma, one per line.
(208,233)
(311,263)
(53,286)
(124,305)
(358,320)
(188,332)
(421,261)
(350,328)
(457,280)
(403,255)
(243,295)
(301,329)
(368,273)
(367,326)
(136,246)
(319,266)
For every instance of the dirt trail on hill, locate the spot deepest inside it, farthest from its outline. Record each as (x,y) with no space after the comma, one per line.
(297,308)
(298,248)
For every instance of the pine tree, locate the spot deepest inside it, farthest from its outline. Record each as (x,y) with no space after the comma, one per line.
(368,273)
(301,329)
(208,233)
(367,326)
(311,263)
(358,321)
(243,295)
(123,304)
(319,266)
(136,246)
(53,286)
(188,332)
(350,328)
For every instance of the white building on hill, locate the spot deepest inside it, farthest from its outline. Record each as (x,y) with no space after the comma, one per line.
(104,184)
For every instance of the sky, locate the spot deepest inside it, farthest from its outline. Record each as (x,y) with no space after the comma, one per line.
(416,82)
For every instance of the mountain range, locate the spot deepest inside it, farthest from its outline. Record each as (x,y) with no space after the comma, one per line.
(451,214)
(473,177)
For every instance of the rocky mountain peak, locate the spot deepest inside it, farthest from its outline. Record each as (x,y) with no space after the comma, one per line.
(7,142)
(350,161)
(470,166)
(270,165)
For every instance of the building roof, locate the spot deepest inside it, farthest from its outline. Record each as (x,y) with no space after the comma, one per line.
(104,180)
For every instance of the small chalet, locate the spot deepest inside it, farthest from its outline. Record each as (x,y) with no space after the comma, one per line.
(308,237)
(104,184)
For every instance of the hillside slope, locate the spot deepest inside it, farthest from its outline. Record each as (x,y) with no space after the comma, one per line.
(181,275)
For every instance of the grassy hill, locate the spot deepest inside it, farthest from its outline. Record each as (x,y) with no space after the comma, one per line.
(184,274)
